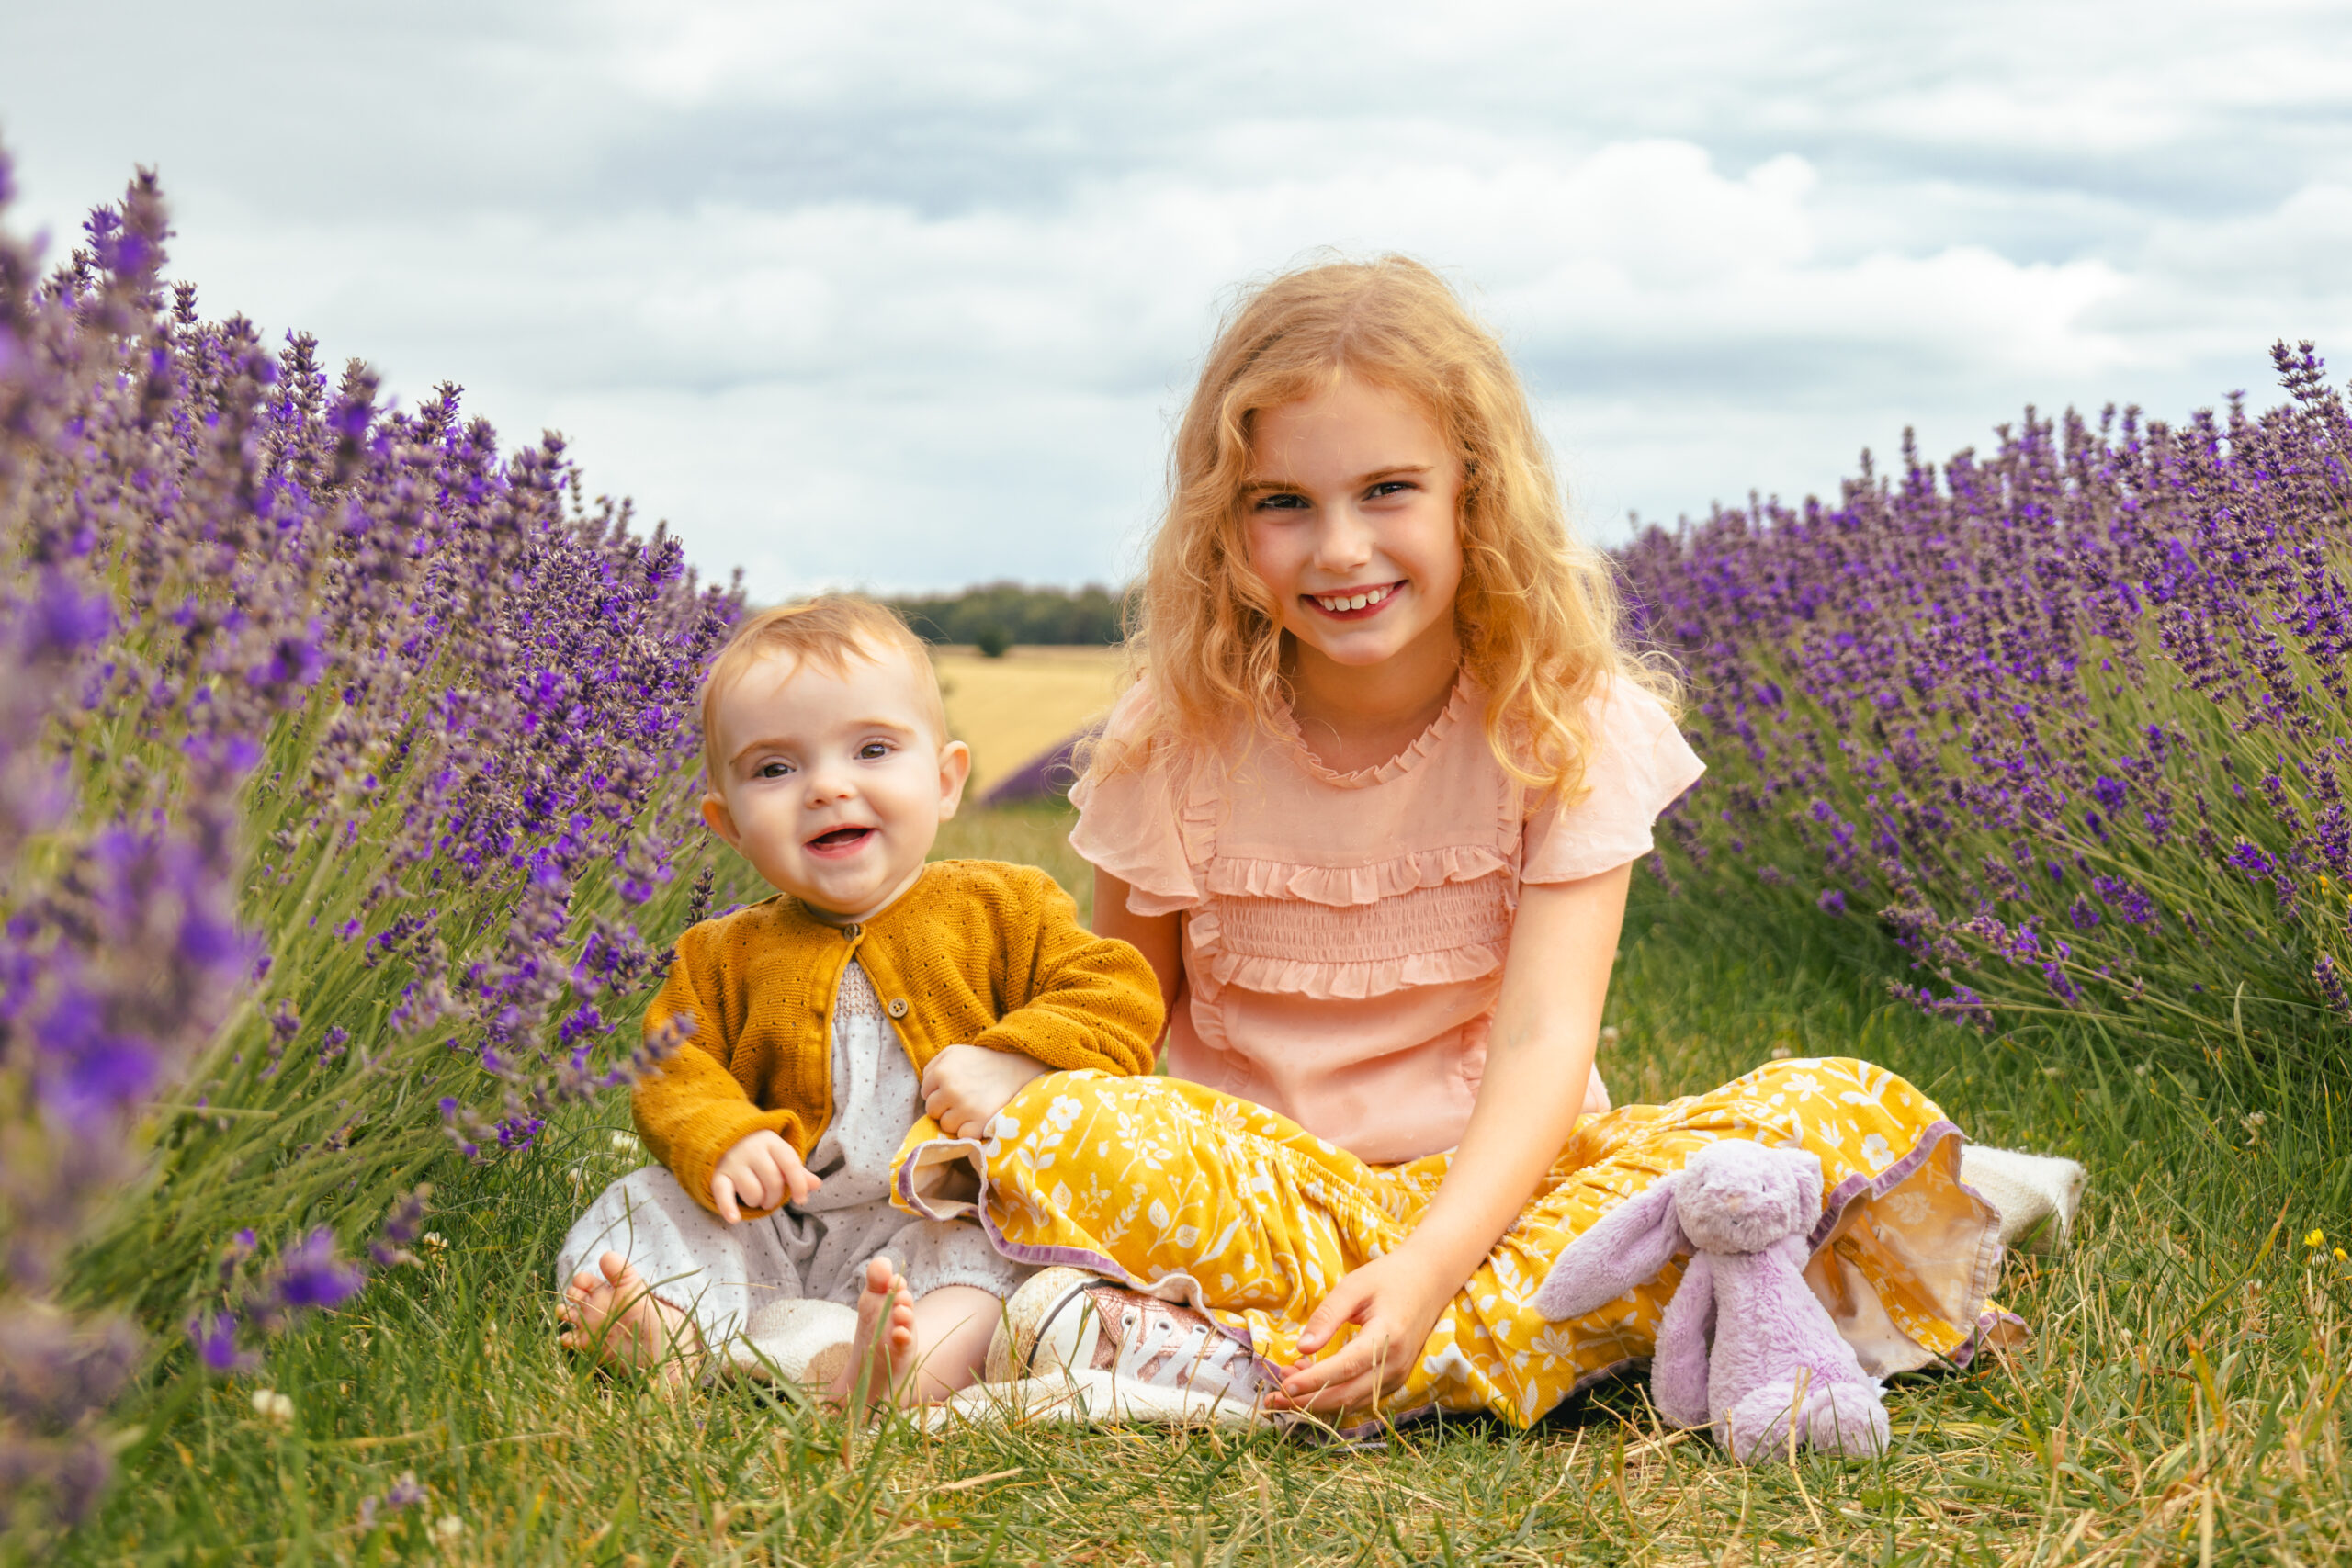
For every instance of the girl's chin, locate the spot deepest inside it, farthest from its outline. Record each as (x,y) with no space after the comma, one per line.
(1353,650)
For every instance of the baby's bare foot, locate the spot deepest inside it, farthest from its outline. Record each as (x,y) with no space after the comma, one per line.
(884,1350)
(620,1321)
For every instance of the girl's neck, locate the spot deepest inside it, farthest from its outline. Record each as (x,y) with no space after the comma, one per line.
(1358,717)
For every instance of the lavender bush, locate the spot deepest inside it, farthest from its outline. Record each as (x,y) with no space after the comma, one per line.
(342,763)
(2069,724)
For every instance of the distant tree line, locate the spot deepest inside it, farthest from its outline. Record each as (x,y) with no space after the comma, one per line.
(995,616)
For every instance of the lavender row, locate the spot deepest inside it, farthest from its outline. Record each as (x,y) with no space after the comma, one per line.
(2067,722)
(342,770)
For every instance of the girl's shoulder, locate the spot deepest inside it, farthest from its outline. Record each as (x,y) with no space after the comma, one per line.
(1637,764)
(1636,745)
(1130,800)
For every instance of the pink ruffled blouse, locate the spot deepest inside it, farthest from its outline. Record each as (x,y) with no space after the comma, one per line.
(1344,933)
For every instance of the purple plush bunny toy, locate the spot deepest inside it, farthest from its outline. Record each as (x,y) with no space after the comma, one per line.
(1745,1212)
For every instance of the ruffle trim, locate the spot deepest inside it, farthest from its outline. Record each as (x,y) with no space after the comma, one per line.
(1331,982)
(1464,690)
(1347,885)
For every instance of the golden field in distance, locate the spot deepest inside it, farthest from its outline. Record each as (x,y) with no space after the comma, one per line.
(1010,710)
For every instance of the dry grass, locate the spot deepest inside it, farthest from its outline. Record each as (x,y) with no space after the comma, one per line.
(1012,709)
(2180,1400)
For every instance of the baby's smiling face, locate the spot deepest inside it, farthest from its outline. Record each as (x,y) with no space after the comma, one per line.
(834,785)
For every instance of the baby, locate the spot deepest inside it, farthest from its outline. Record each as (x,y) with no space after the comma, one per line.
(825,1022)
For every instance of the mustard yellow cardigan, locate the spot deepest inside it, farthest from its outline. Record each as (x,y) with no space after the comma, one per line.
(976,953)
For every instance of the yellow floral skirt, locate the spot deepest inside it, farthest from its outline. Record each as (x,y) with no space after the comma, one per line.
(1196,1196)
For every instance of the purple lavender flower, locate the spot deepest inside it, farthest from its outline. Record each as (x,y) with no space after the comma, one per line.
(2115,656)
(312,1276)
(2330,981)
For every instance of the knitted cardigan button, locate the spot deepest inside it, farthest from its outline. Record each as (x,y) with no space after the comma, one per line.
(897,1007)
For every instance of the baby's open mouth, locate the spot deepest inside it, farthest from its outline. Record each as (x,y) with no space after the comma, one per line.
(839,838)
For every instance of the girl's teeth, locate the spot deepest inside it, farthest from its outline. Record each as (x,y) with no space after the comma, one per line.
(1355,601)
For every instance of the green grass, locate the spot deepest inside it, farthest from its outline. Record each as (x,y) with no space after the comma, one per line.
(2178,1401)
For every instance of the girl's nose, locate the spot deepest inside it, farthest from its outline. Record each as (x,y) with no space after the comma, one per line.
(1344,541)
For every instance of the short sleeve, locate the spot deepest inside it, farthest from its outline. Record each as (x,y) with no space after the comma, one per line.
(1640,763)
(1128,821)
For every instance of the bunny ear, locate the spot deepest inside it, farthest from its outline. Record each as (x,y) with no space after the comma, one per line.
(1628,1247)
(1808,1166)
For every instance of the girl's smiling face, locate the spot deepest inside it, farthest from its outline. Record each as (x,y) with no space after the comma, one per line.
(1350,517)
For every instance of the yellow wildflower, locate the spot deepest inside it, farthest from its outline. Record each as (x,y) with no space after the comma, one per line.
(2317,1238)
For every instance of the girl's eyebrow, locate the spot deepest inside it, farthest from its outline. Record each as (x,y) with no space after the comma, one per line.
(1260,487)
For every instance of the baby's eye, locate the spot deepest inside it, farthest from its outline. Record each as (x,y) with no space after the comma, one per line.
(774,770)
(873,751)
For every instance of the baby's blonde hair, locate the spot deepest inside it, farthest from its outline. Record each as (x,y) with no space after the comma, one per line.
(1538,610)
(828,631)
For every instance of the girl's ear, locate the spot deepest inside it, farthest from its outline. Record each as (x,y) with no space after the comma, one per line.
(719,821)
(1630,1246)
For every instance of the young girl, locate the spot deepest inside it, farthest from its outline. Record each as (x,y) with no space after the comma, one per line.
(1371,813)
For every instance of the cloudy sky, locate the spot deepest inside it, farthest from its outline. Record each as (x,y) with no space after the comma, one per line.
(905,293)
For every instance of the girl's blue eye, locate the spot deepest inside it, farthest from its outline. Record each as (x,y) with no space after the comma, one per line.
(1389,486)
(1281,503)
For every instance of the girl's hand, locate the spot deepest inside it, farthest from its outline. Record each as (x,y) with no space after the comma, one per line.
(761,1171)
(964,1086)
(1395,1302)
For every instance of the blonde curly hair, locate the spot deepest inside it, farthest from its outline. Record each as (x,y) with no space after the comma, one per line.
(1538,613)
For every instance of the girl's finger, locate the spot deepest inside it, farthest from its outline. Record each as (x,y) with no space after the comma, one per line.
(1346,1365)
(1340,1305)
(1363,1360)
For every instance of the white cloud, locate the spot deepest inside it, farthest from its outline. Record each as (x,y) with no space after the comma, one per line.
(906,294)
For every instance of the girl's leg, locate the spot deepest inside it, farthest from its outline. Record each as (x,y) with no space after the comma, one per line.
(1906,1263)
(1166,1185)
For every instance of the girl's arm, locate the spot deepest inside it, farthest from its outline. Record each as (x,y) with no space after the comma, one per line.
(1539,1060)
(1156,937)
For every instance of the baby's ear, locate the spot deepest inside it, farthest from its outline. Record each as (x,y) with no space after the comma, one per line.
(719,821)
(955,771)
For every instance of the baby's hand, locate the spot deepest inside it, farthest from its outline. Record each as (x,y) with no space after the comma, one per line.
(966,1086)
(761,1171)
(1596,1095)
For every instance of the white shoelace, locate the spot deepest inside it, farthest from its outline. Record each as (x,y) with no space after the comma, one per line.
(1173,1348)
